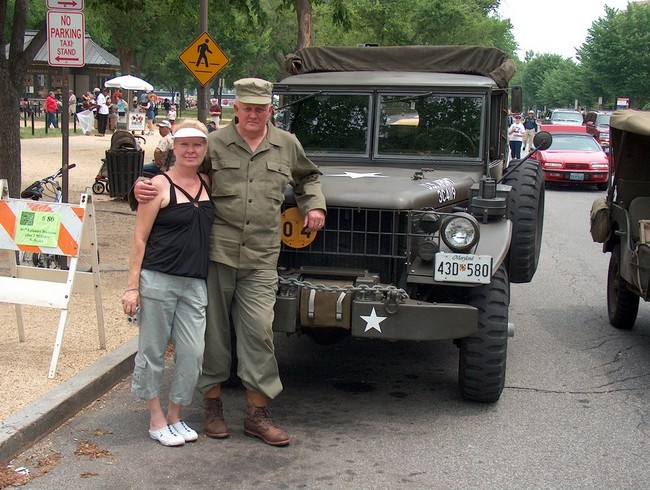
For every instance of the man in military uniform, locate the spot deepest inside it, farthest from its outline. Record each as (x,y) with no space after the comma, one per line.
(252,163)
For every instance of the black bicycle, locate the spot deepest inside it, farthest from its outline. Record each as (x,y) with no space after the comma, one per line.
(48,188)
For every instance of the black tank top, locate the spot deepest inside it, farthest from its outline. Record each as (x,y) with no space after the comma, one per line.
(179,239)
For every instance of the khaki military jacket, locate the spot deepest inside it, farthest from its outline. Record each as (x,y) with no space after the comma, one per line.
(248,192)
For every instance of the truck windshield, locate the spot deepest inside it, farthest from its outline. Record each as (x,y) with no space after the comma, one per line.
(430,125)
(327,123)
(421,125)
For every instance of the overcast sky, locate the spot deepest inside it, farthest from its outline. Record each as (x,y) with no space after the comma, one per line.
(553,26)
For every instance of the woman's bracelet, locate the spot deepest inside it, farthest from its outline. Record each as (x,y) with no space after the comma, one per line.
(132,289)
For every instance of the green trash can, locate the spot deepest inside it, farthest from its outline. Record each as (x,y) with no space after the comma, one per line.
(123,166)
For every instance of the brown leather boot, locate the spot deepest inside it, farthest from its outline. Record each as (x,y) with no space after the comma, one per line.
(258,423)
(215,425)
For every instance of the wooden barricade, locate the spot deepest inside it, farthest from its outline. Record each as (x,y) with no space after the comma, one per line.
(57,229)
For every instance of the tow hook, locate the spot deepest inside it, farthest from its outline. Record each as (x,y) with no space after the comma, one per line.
(392,301)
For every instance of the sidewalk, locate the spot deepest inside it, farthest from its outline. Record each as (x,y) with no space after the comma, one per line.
(21,430)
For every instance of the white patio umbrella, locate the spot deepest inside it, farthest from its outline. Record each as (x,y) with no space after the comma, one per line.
(128,82)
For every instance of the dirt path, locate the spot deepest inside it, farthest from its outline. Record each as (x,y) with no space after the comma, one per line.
(25,365)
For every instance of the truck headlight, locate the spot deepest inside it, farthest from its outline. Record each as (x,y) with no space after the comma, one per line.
(460,232)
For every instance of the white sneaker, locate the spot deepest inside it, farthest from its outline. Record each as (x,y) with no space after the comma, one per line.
(167,436)
(185,430)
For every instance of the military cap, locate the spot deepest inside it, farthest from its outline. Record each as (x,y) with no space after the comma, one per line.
(254,91)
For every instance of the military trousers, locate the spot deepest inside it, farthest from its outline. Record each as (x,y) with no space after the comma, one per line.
(247,296)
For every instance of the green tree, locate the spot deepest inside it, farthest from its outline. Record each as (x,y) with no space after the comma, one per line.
(558,87)
(533,73)
(431,22)
(13,65)
(616,55)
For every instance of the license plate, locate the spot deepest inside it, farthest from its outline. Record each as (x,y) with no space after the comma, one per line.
(452,267)
(573,176)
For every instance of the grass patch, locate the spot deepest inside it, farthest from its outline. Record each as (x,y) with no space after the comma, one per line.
(39,124)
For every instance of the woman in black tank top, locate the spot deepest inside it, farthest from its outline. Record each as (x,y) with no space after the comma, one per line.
(166,285)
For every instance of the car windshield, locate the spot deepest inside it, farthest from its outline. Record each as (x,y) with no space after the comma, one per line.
(421,125)
(603,120)
(562,116)
(574,142)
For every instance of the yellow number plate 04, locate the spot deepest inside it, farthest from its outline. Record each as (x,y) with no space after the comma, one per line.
(292,234)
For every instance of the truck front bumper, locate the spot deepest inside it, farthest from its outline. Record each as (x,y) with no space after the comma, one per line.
(409,320)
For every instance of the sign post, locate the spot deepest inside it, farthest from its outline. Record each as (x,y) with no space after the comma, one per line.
(66,47)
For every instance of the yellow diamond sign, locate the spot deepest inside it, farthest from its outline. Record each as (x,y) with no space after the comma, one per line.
(204,58)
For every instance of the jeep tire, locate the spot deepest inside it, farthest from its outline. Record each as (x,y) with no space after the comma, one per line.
(482,361)
(622,304)
(527,216)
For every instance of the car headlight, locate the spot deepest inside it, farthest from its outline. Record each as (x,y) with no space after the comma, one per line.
(599,166)
(552,165)
(460,232)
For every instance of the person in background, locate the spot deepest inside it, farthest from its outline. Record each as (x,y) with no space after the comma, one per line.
(51,108)
(530,126)
(117,95)
(122,107)
(150,114)
(87,101)
(244,249)
(171,114)
(102,110)
(215,112)
(72,103)
(163,155)
(516,135)
(166,285)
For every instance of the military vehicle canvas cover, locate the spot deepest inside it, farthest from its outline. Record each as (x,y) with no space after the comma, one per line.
(471,60)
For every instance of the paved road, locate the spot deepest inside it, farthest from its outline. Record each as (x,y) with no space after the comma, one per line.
(374,415)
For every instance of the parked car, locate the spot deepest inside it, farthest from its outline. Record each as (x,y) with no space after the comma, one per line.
(574,157)
(597,124)
(563,116)
(621,220)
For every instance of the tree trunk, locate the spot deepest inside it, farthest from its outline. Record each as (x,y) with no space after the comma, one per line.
(305,30)
(10,165)
(12,73)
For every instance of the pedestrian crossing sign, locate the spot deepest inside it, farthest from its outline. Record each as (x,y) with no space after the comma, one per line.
(204,58)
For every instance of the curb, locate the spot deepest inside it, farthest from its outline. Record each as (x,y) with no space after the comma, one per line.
(24,428)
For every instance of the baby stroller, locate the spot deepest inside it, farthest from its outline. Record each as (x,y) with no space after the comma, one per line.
(121,140)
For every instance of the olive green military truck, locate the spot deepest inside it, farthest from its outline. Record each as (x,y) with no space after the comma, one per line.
(426,224)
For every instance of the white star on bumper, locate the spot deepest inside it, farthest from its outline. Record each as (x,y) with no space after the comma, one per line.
(373,321)
(356,175)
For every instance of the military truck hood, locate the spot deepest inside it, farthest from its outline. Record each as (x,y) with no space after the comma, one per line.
(394,188)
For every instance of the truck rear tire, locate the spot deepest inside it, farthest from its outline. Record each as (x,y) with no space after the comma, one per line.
(527,216)
(622,304)
(482,362)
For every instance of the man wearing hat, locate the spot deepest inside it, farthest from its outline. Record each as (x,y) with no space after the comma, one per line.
(102,111)
(215,112)
(252,162)
(530,125)
(163,155)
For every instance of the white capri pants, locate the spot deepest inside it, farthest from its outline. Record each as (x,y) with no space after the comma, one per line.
(171,308)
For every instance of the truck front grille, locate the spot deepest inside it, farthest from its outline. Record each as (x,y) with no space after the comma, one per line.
(369,239)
